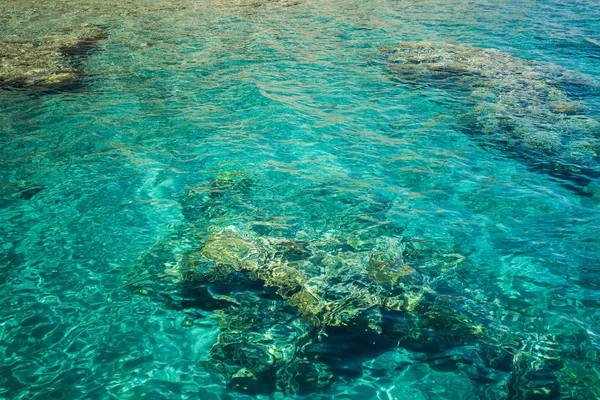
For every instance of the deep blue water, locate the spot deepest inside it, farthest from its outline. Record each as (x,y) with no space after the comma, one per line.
(285,120)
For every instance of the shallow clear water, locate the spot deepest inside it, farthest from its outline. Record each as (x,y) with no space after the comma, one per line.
(298,100)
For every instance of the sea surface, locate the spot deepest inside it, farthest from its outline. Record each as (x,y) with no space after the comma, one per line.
(287,120)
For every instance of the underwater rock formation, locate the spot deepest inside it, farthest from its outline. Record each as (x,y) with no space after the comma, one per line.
(277,292)
(260,3)
(327,284)
(519,107)
(298,309)
(18,190)
(47,62)
(277,300)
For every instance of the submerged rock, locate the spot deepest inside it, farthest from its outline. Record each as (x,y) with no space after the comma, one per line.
(47,62)
(274,295)
(299,308)
(260,3)
(519,106)
(305,289)
(19,190)
(282,297)
(259,339)
(327,286)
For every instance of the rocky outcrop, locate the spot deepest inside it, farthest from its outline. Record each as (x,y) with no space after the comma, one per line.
(518,106)
(47,62)
(291,304)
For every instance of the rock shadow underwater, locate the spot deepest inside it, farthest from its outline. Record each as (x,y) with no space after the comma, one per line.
(528,110)
(302,305)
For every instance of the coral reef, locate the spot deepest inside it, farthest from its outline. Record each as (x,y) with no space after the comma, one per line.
(519,106)
(47,62)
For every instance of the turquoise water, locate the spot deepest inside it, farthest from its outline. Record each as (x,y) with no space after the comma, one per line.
(285,120)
